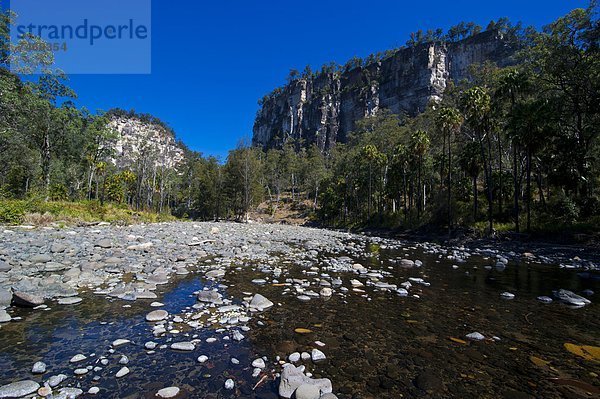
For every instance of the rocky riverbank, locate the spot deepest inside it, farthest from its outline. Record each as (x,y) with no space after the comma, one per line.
(47,268)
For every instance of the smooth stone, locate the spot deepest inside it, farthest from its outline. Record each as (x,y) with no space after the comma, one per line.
(81,371)
(306,391)
(27,300)
(123,372)
(237,336)
(292,377)
(507,295)
(259,363)
(93,390)
(4,316)
(157,315)
(169,392)
(328,396)
(157,304)
(260,302)
(41,258)
(120,341)
(106,243)
(183,346)
(150,345)
(77,358)
(39,368)
(202,358)
(317,355)
(56,380)
(545,299)
(69,393)
(294,357)
(18,389)
(69,301)
(475,336)
(571,298)
(4,267)
(229,384)
(326,292)
(5,298)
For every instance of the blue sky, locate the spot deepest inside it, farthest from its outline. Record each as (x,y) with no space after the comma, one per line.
(212,61)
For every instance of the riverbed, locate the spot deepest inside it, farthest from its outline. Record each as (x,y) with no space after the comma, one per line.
(391,318)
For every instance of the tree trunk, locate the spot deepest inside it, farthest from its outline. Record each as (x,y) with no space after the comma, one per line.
(528,203)
(449,185)
(516,187)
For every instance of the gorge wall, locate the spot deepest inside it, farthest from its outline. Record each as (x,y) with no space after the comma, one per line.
(324,108)
(141,141)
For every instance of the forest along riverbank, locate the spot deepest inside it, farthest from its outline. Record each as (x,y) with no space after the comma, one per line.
(250,310)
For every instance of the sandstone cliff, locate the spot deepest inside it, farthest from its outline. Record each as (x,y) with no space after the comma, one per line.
(141,140)
(323,109)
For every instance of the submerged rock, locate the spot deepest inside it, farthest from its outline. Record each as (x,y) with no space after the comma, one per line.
(39,368)
(169,392)
(260,302)
(18,389)
(157,315)
(571,298)
(293,377)
(475,336)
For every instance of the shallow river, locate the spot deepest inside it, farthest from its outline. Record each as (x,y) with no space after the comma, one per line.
(378,345)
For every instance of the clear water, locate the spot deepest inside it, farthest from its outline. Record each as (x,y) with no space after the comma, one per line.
(382,347)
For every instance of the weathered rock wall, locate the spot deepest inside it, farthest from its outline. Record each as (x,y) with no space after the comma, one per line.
(139,140)
(324,109)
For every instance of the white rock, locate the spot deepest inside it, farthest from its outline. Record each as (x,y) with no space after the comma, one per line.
(229,384)
(475,336)
(123,372)
(169,392)
(259,363)
(317,355)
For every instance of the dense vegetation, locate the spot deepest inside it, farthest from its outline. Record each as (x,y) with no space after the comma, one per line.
(513,148)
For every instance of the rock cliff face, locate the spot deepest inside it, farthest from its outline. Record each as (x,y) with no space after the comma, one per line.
(323,109)
(143,141)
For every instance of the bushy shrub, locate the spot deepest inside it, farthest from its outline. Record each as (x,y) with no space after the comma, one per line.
(564,209)
(12,211)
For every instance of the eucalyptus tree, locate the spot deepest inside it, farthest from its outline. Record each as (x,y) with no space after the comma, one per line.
(420,142)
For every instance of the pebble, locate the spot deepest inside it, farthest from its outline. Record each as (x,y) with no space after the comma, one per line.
(317,355)
(18,389)
(157,315)
(69,301)
(259,363)
(77,358)
(56,380)
(93,390)
(475,336)
(183,346)
(202,358)
(169,392)
(122,372)
(38,368)
(229,384)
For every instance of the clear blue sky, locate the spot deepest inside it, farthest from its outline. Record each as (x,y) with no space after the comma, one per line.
(212,61)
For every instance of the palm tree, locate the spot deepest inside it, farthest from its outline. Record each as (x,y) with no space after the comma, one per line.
(449,121)
(476,106)
(510,85)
